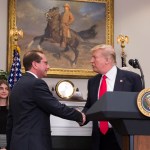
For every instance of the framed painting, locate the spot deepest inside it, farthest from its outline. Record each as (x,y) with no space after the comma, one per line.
(42,25)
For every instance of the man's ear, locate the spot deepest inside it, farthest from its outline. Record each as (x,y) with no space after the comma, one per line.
(107,60)
(34,64)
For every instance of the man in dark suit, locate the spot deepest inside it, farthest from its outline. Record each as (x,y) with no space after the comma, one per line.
(104,63)
(31,104)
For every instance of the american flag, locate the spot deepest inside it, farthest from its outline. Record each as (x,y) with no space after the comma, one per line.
(15,72)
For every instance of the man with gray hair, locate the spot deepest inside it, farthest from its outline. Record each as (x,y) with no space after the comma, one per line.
(108,78)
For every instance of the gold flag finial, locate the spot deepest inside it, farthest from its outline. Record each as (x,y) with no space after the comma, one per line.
(16,34)
(122,39)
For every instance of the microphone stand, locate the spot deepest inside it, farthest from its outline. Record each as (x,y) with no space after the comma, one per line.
(142,75)
(137,65)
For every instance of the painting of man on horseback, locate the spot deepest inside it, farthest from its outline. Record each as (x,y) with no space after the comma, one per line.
(65,30)
(58,31)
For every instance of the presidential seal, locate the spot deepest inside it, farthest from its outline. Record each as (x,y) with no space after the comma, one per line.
(143,102)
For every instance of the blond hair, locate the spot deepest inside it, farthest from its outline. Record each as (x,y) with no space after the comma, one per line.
(107,51)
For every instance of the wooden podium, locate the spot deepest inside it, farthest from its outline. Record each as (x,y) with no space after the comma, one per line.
(121,110)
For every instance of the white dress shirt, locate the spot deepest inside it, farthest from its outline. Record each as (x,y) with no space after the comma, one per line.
(32,74)
(110,80)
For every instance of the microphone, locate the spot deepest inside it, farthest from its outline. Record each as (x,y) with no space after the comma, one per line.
(135,64)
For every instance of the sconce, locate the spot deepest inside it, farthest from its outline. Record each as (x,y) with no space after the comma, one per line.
(122,39)
(16,34)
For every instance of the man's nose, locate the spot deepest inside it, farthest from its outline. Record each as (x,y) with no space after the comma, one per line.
(48,66)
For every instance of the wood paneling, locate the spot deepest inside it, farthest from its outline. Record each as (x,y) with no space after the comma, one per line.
(141,142)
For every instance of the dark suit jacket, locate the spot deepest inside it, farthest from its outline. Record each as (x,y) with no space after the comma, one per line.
(125,81)
(31,104)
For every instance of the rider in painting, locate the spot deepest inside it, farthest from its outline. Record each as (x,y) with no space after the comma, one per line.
(67,19)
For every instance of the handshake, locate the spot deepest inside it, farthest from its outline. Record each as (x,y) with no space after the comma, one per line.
(83,117)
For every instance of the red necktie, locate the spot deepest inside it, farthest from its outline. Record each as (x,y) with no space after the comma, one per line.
(103,88)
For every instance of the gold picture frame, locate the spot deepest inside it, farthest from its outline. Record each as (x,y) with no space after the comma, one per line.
(100,16)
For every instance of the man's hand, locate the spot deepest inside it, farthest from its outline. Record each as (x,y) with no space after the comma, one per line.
(83,117)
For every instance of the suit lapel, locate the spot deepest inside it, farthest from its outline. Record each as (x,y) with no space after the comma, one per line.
(96,87)
(120,81)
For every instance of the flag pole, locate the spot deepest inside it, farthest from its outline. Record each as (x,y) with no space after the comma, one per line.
(15,72)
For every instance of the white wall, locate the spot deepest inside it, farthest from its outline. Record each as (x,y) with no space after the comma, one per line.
(131,17)
(3,34)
